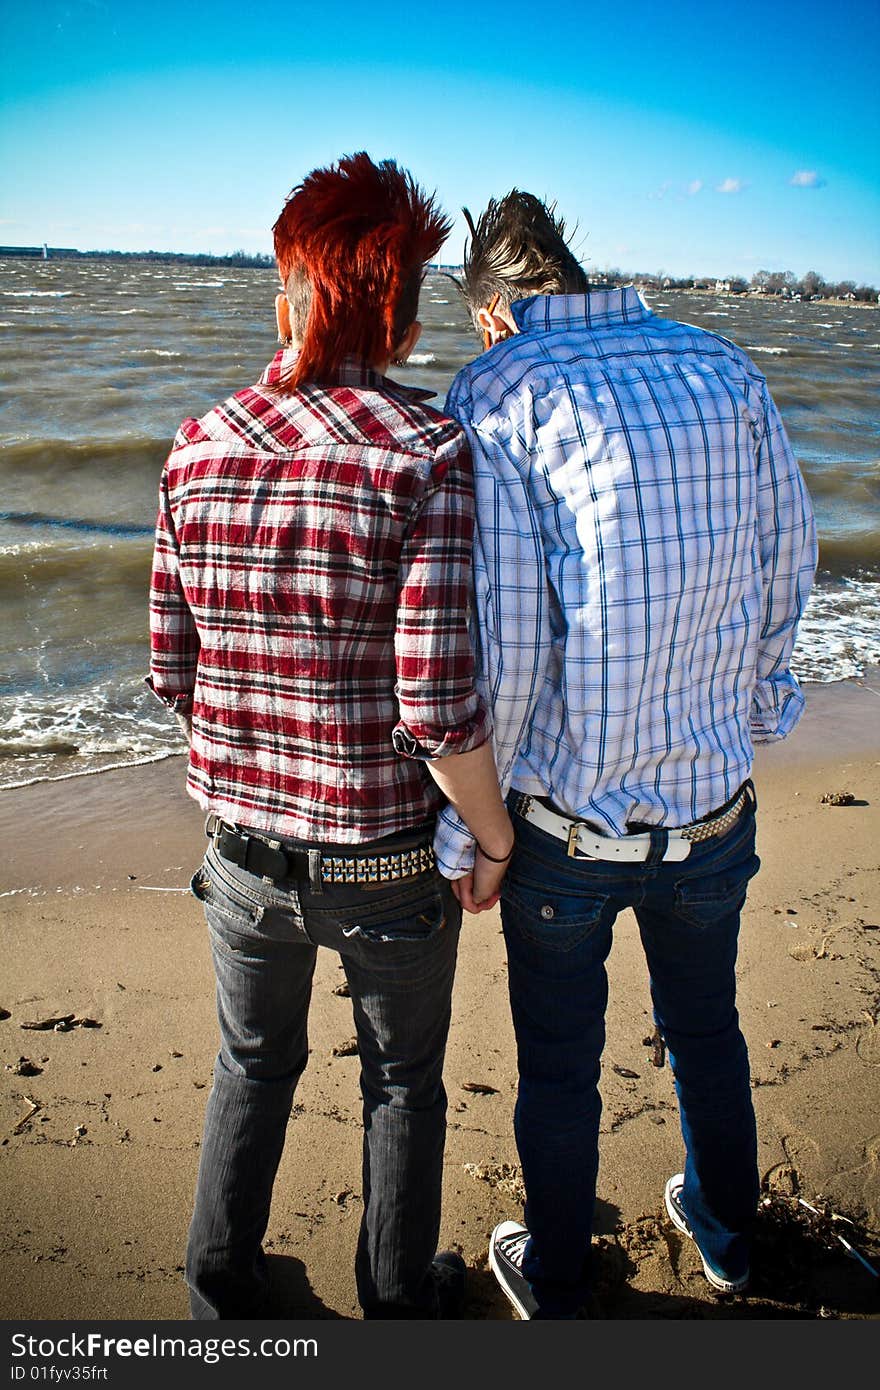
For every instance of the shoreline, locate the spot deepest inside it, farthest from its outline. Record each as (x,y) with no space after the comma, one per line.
(98,924)
(832,701)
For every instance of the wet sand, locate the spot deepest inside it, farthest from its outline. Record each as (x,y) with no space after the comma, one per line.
(100,1124)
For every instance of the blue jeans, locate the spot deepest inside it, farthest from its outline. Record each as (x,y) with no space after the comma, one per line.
(398,944)
(558,914)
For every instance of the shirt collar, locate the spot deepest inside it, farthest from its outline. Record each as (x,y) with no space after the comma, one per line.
(350,372)
(595,309)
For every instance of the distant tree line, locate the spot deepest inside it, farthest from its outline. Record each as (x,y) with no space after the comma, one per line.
(65,253)
(773,282)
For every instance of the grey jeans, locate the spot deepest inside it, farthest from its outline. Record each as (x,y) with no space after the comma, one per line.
(398,944)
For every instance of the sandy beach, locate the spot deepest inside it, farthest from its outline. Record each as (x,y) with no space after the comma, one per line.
(100,1115)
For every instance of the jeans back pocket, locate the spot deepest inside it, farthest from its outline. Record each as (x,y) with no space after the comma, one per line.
(549,917)
(415,915)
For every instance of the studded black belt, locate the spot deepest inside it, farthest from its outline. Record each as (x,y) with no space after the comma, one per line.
(271,858)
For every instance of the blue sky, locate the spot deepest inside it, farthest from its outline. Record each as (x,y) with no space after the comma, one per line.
(693,138)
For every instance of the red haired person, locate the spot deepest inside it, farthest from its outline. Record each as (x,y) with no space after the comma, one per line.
(308,623)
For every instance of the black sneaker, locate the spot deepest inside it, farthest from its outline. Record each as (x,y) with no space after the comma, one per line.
(506,1246)
(449,1272)
(680,1221)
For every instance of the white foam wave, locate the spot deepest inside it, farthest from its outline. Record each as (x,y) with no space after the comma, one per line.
(201,285)
(421,359)
(37,294)
(769,351)
(93,771)
(155,352)
(839,633)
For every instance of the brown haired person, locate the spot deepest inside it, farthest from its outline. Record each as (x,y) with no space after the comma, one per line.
(644,550)
(308,617)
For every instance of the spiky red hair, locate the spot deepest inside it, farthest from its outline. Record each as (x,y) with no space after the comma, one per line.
(359,232)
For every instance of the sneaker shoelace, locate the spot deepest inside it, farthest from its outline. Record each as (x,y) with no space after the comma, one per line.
(513,1248)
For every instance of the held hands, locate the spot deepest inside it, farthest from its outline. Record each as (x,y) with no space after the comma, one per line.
(481,888)
(469,781)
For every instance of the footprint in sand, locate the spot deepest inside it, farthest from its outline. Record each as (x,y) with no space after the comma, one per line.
(868,1045)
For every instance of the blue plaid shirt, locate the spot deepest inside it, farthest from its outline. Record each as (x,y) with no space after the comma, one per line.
(645,549)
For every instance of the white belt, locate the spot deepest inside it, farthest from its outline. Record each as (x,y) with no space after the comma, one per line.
(627,849)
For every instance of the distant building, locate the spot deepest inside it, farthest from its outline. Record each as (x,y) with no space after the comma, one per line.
(40,253)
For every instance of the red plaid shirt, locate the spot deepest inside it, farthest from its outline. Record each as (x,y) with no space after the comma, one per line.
(308,605)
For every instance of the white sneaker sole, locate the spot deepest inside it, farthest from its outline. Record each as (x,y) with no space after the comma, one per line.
(503,1229)
(721,1285)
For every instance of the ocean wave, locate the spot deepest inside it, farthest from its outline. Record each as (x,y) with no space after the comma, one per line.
(420,359)
(124,530)
(92,770)
(155,352)
(104,724)
(770,351)
(102,453)
(849,553)
(123,565)
(839,633)
(37,294)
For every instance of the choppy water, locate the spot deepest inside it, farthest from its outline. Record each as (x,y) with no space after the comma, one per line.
(101,361)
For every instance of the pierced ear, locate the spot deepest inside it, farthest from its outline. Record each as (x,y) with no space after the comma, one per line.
(493,328)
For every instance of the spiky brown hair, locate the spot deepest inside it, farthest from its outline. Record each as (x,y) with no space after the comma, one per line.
(518,247)
(360,235)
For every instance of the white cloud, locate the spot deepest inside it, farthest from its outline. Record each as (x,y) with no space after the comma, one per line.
(730,186)
(806,178)
(694,186)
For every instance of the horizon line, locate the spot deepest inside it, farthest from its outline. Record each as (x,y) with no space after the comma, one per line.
(265,260)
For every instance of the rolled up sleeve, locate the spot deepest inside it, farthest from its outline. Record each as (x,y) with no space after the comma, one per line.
(174,641)
(440,709)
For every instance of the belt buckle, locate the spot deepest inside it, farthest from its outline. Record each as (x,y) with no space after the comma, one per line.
(571,848)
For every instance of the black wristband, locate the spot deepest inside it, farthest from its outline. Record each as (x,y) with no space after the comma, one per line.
(491,858)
